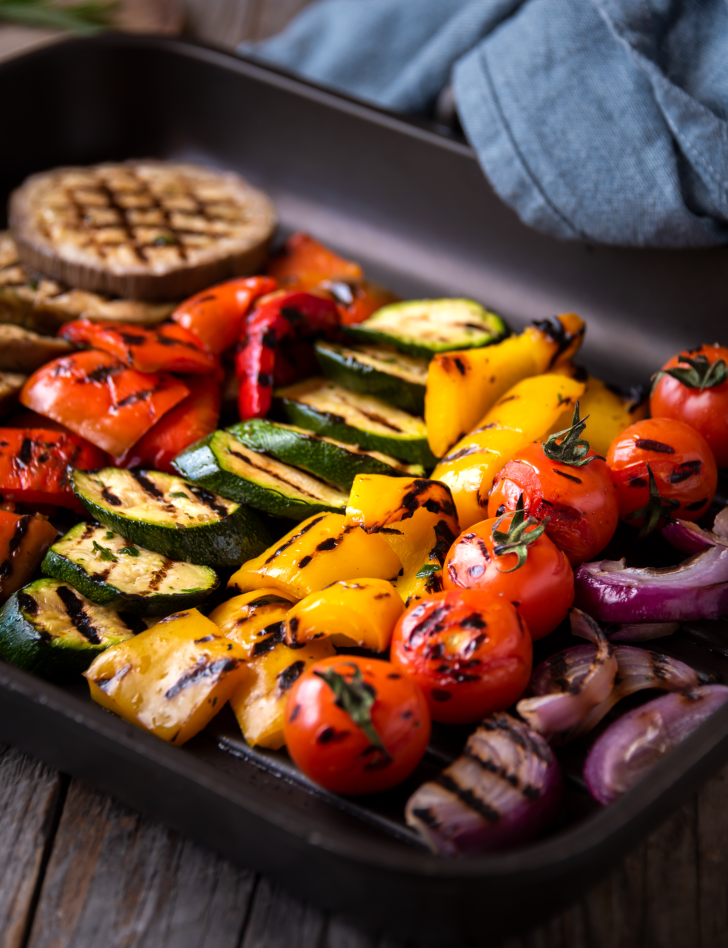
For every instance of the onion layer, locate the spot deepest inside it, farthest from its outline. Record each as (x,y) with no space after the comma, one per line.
(642,631)
(690,538)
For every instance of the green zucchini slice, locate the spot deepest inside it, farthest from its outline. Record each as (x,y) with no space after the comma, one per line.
(112,572)
(394,377)
(335,412)
(425,327)
(50,629)
(168,515)
(222,463)
(333,461)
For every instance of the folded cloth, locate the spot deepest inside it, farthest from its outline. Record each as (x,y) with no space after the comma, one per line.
(600,120)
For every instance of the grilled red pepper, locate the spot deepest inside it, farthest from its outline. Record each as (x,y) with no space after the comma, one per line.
(214,315)
(34,465)
(195,417)
(24,540)
(100,398)
(168,348)
(276,345)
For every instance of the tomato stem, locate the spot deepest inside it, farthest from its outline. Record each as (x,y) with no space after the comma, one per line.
(656,509)
(356,698)
(515,539)
(702,374)
(572,449)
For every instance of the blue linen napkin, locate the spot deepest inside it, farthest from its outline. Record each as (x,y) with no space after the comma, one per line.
(601,120)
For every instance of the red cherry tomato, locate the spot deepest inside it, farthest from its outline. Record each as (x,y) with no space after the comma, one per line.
(375,752)
(541,589)
(705,410)
(469,651)
(581,502)
(682,465)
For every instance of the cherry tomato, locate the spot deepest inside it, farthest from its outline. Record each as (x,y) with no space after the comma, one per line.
(699,396)
(678,462)
(356,725)
(541,587)
(469,651)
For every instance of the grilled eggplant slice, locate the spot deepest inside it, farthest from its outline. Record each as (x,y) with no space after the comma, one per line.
(223,464)
(22,350)
(335,412)
(395,378)
(52,630)
(425,327)
(333,461)
(168,515)
(148,230)
(112,572)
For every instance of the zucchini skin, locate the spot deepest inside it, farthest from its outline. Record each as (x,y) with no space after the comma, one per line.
(365,379)
(229,541)
(411,450)
(201,465)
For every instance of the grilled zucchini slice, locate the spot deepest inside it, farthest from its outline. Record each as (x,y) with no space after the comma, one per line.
(168,515)
(395,378)
(112,572)
(335,412)
(52,630)
(222,463)
(333,461)
(426,327)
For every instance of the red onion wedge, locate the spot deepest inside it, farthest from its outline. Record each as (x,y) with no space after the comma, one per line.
(504,790)
(611,591)
(641,631)
(569,684)
(628,749)
(689,538)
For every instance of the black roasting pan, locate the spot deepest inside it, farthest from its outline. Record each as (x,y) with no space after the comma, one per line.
(413,206)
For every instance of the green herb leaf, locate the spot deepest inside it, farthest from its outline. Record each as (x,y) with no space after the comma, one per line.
(572,449)
(356,698)
(164,240)
(516,540)
(105,553)
(702,374)
(109,535)
(129,550)
(179,493)
(428,570)
(657,508)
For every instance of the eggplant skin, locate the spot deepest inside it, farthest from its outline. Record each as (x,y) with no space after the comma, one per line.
(143,230)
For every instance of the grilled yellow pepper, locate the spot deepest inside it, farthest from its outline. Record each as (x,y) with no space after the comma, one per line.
(251,618)
(319,551)
(427,580)
(462,386)
(414,516)
(351,612)
(529,411)
(172,678)
(260,702)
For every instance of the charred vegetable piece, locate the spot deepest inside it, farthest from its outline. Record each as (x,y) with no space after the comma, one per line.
(169,348)
(608,411)
(35,464)
(425,327)
(223,464)
(527,412)
(413,516)
(50,629)
(113,572)
(259,703)
(303,263)
(502,792)
(688,537)
(24,540)
(336,412)
(101,399)
(171,679)
(168,515)
(215,314)
(319,551)
(362,612)
(255,619)
(393,377)
(22,350)
(11,385)
(463,386)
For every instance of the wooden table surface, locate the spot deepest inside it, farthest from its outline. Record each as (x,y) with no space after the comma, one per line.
(80,870)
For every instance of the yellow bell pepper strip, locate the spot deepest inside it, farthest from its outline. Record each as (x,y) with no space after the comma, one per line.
(414,516)
(351,612)
(529,411)
(252,618)
(170,680)
(427,580)
(319,551)
(462,386)
(260,701)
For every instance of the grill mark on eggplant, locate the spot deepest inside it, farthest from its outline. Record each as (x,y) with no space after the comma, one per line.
(290,540)
(204,668)
(277,477)
(21,528)
(78,616)
(468,798)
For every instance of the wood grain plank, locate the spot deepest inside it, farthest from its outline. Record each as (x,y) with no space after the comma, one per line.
(279,921)
(712,845)
(116,879)
(30,798)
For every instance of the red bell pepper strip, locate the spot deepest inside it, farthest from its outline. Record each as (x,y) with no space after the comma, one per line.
(34,465)
(167,348)
(276,345)
(304,263)
(357,300)
(24,540)
(100,398)
(195,417)
(215,315)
